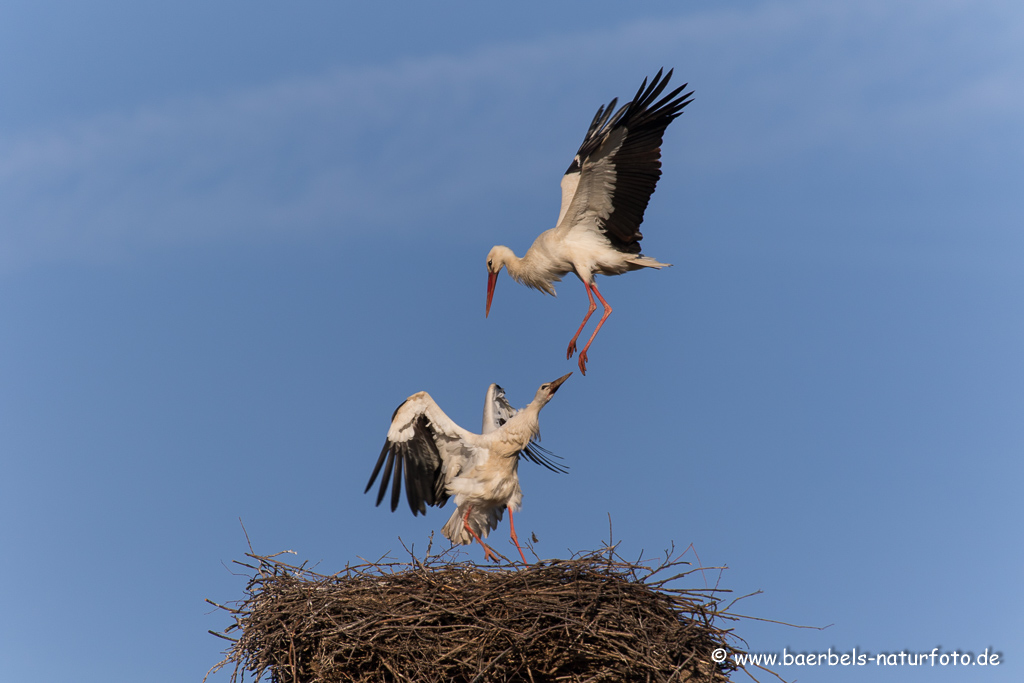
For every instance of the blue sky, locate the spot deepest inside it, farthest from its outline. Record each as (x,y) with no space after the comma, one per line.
(233,238)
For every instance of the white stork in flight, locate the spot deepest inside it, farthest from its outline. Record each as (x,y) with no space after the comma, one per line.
(440,459)
(604,194)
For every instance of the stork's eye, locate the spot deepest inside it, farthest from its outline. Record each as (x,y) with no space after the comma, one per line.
(490,263)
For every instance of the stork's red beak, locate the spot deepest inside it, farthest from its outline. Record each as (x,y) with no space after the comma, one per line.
(492,278)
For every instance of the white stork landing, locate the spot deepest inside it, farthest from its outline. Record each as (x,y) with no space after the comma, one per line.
(604,195)
(441,459)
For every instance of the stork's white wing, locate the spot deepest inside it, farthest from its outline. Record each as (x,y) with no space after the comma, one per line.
(497,409)
(611,179)
(426,448)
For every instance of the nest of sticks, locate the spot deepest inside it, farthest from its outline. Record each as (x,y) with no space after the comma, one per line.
(594,617)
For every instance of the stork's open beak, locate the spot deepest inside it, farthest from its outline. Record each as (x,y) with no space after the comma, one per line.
(558,382)
(492,278)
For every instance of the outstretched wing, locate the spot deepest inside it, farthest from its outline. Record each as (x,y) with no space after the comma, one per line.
(426,448)
(616,169)
(498,411)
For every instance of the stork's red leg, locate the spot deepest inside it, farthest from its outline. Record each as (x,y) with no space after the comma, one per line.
(465,523)
(590,311)
(607,312)
(514,538)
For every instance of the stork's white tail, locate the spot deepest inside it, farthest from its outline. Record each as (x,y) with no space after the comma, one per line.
(641,261)
(482,521)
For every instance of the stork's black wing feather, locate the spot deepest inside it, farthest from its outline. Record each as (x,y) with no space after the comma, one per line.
(420,459)
(630,144)
(539,455)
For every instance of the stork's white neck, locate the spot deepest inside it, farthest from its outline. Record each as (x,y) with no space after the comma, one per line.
(534,269)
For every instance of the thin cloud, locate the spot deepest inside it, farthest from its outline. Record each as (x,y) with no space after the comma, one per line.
(382,147)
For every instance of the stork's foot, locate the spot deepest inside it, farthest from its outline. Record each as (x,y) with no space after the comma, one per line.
(583,361)
(488,553)
(571,350)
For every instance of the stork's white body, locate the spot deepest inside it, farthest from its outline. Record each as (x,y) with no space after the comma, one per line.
(440,459)
(605,192)
(581,250)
